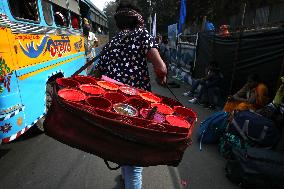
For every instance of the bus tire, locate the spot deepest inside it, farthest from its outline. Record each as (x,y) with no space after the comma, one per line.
(49,93)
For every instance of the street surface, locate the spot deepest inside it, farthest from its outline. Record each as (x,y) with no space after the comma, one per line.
(36,161)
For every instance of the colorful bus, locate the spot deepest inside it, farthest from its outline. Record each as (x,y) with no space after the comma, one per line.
(41,40)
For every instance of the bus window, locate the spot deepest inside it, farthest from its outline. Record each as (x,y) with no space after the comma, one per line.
(46,8)
(75,21)
(60,16)
(24,9)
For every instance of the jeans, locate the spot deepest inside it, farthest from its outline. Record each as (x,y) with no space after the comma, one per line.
(195,84)
(132,177)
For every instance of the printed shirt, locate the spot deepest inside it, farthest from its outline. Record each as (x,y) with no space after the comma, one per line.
(125,58)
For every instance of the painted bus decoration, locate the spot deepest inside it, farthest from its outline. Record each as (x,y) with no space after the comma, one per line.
(41,40)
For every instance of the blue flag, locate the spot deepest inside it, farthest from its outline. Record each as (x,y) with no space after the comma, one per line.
(182,15)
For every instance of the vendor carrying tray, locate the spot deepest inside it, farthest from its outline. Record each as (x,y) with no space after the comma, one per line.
(132,141)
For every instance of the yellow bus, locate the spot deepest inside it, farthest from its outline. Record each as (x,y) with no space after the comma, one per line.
(41,40)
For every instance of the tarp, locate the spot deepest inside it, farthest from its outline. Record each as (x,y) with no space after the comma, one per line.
(259,52)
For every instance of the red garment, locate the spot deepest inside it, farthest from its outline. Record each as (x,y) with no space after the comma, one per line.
(75,22)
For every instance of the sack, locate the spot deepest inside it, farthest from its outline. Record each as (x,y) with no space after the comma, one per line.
(212,128)
(255,128)
(115,137)
(256,168)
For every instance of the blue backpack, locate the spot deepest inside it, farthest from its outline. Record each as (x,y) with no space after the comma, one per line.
(212,128)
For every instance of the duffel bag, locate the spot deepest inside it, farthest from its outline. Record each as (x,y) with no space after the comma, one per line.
(117,138)
(255,128)
(256,168)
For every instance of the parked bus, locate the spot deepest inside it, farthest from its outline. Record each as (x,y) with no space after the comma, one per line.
(41,40)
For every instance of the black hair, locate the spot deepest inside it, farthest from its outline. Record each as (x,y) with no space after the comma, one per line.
(254,77)
(214,63)
(130,4)
(125,21)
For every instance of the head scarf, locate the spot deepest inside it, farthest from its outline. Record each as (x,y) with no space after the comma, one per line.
(131,13)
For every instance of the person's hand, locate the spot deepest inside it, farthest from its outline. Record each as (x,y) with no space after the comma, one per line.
(162,81)
(282,79)
(230,98)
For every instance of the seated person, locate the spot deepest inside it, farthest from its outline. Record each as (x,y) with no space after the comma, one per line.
(208,84)
(253,96)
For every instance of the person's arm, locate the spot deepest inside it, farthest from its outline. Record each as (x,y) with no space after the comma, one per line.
(241,94)
(158,64)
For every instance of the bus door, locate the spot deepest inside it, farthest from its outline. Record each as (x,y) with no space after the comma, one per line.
(12,117)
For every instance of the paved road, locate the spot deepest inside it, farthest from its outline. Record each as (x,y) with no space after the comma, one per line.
(39,162)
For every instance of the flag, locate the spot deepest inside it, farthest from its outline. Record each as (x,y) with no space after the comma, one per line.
(182,15)
(154,31)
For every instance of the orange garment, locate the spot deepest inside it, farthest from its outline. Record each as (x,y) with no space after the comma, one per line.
(260,98)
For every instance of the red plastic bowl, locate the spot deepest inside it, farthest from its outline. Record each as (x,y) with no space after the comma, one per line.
(71,95)
(115,97)
(162,108)
(99,102)
(150,97)
(92,89)
(66,82)
(108,85)
(85,79)
(185,112)
(138,103)
(177,121)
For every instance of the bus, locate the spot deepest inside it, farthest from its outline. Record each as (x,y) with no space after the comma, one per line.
(41,40)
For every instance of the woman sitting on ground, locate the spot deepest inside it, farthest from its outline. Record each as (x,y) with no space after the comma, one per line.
(253,96)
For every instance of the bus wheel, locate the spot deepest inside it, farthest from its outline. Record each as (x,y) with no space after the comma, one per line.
(49,92)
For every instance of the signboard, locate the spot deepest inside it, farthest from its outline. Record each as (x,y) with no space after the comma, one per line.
(172,35)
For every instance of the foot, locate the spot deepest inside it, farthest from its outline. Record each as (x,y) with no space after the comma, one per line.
(189,94)
(193,101)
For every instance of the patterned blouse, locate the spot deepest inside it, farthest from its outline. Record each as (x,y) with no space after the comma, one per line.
(125,58)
